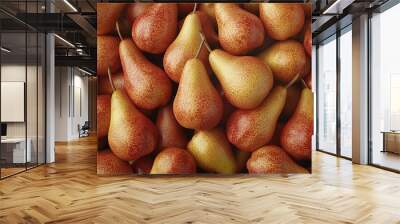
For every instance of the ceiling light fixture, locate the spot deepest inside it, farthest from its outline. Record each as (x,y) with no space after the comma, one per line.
(5,50)
(64,40)
(84,71)
(70,5)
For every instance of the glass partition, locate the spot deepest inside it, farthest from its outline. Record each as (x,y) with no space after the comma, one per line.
(385,89)
(346,92)
(327,96)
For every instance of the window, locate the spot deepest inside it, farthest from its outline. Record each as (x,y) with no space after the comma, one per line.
(327,96)
(385,89)
(346,92)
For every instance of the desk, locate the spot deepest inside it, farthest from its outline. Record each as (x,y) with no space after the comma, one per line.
(13,150)
(391,141)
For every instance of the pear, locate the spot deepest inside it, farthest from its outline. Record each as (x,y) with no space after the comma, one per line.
(209,28)
(293,96)
(154,30)
(134,10)
(107,16)
(286,59)
(297,132)
(308,39)
(104,86)
(246,80)
(272,160)
(185,47)
(171,133)
(282,20)
(307,10)
(252,7)
(208,8)
(184,9)
(241,159)
(212,151)
(131,134)
(103,115)
(107,55)
(239,31)
(110,165)
(276,139)
(197,104)
(308,80)
(146,84)
(143,165)
(174,161)
(248,130)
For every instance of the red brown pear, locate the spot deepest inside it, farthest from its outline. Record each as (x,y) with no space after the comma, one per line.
(197,103)
(239,31)
(146,84)
(248,130)
(297,133)
(282,20)
(110,165)
(272,160)
(171,133)
(174,161)
(107,55)
(286,59)
(131,134)
(107,15)
(246,80)
(154,30)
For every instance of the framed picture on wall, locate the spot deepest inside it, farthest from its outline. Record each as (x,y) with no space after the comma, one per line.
(204,88)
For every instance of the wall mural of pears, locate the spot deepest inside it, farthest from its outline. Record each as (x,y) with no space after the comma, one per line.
(204,88)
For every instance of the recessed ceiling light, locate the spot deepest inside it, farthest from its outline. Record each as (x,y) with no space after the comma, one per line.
(64,40)
(70,5)
(5,50)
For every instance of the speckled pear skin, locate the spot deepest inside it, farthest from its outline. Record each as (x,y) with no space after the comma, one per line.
(154,30)
(131,134)
(272,160)
(286,59)
(103,115)
(297,133)
(248,130)
(197,104)
(134,10)
(107,55)
(104,86)
(239,31)
(174,161)
(282,20)
(209,29)
(184,48)
(146,84)
(107,15)
(110,165)
(246,80)
(212,151)
(171,133)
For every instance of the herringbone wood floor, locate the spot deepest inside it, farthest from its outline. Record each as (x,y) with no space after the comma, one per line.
(70,192)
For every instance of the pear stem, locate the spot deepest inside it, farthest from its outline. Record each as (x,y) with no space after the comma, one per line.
(118,30)
(293,81)
(195,7)
(200,47)
(304,83)
(110,79)
(205,42)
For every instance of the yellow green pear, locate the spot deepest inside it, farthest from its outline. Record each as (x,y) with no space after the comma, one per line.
(184,48)
(212,151)
(131,134)
(248,130)
(246,80)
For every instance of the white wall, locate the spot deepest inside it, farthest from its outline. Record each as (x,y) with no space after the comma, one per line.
(69,82)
